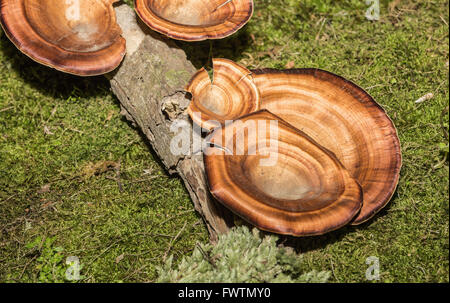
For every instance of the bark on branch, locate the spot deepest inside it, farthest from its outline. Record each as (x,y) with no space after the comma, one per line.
(149,85)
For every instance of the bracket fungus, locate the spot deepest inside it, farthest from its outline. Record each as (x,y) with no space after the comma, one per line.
(303,191)
(230,95)
(79,37)
(195,20)
(343,118)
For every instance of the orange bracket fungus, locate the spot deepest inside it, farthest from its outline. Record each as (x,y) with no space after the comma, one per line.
(344,119)
(79,37)
(231,94)
(304,191)
(195,20)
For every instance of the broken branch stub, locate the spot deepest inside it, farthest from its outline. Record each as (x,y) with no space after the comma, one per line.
(149,85)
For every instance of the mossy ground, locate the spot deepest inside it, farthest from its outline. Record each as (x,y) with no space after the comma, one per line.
(62,141)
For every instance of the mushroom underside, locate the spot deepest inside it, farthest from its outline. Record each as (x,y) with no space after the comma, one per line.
(344,119)
(190,12)
(229,96)
(280,181)
(195,20)
(78,37)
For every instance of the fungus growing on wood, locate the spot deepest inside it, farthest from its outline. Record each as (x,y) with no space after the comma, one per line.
(230,95)
(282,181)
(195,20)
(343,118)
(79,37)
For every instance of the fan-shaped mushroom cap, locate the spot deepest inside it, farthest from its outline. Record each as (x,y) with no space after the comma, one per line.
(302,188)
(343,118)
(231,94)
(195,20)
(79,37)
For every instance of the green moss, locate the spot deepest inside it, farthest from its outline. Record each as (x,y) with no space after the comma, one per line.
(57,132)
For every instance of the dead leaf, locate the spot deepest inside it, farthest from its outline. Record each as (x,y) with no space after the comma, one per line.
(91,169)
(148,171)
(424,98)
(110,115)
(47,130)
(273,52)
(393,5)
(44,189)
(120,258)
(290,64)
(53,111)
(47,204)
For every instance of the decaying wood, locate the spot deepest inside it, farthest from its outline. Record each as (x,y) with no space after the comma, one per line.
(149,85)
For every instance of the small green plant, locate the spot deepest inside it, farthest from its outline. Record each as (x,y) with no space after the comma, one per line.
(50,263)
(240,256)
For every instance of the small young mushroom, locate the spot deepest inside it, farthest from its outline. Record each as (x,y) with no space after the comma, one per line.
(279,179)
(231,94)
(343,118)
(195,20)
(79,37)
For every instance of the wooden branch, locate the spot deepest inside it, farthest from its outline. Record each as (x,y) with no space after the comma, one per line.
(149,85)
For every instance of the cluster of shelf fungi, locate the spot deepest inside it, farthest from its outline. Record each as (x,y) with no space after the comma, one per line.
(338,153)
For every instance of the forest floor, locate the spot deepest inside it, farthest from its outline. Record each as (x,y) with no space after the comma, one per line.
(77,180)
